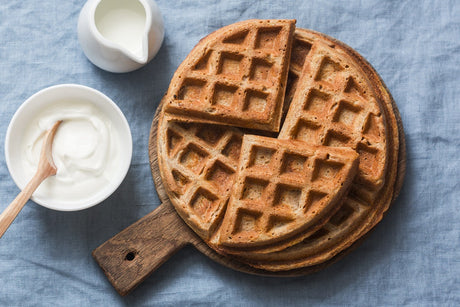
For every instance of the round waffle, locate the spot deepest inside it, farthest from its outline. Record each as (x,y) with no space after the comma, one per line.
(334,98)
(360,115)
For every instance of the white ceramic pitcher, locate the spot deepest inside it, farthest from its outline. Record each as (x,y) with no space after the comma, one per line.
(120,35)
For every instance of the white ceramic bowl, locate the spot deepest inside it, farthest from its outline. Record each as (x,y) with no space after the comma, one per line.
(46,97)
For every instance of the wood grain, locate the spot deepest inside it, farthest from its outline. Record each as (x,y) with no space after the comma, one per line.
(133,254)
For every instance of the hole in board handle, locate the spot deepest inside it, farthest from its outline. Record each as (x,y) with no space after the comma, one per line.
(130,256)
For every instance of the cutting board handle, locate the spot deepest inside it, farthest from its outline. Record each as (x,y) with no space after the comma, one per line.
(133,254)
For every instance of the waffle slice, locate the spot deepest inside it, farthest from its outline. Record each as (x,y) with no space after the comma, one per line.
(283,188)
(198,163)
(235,76)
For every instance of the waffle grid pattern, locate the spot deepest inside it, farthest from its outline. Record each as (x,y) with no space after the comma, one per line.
(347,119)
(282,186)
(238,79)
(203,160)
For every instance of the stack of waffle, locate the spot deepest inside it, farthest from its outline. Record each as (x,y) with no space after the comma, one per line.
(278,146)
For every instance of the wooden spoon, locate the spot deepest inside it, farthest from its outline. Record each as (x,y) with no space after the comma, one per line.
(46,168)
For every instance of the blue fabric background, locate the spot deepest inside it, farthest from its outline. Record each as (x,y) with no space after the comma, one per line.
(412,257)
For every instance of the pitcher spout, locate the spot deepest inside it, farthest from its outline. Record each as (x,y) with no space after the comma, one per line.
(142,55)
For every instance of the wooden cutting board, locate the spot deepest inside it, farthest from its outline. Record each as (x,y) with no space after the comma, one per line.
(133,254)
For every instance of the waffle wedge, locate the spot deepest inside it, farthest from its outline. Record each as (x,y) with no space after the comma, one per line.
(283,188)
(235,76)
(197,164)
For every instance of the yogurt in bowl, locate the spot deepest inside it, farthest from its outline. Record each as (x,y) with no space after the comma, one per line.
(92,148)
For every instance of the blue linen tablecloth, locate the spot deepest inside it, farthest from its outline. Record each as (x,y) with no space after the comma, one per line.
(412,257)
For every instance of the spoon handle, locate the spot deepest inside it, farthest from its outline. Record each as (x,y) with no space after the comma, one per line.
(10,213)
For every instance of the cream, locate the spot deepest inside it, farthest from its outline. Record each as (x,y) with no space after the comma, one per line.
(85,150)
(123,23)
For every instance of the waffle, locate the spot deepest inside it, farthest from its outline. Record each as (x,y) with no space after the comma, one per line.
(235,76)
(283,187)
(334,98)
(337,99)
(198,164)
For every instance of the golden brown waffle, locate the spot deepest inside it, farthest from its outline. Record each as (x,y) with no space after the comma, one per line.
(236,76)
(334,107)
(197,165)
(339,100)
(284,187)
